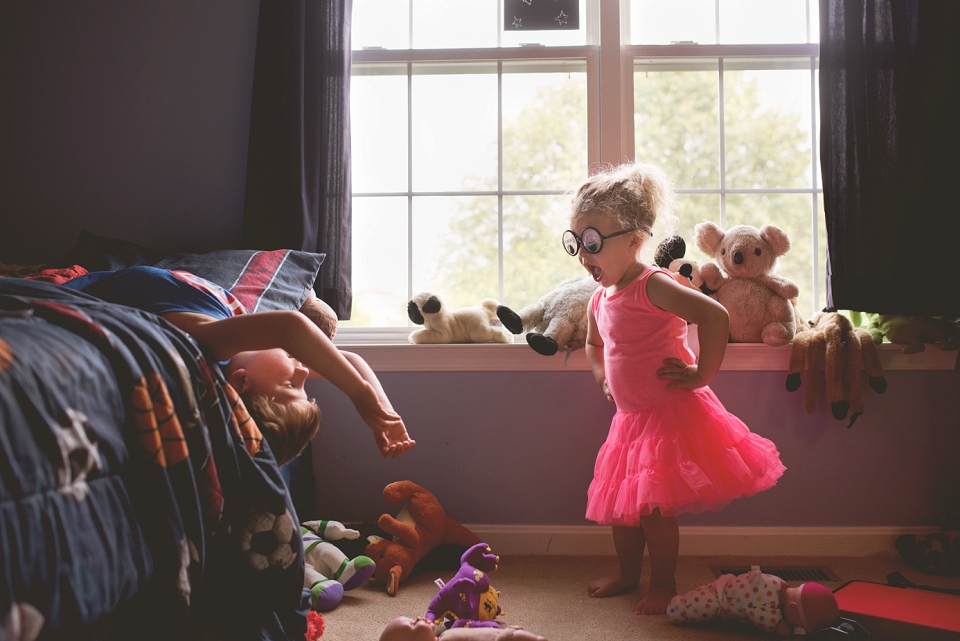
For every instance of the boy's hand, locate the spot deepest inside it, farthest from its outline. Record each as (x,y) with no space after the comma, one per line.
(388,429)
(394,441)
(683,374)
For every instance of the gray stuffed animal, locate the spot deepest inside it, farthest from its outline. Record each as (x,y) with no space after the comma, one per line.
(557,321)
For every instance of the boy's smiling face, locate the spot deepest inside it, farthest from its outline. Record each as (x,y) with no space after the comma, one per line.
(271,372)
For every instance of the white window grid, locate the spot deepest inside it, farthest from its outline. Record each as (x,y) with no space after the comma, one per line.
(610,65)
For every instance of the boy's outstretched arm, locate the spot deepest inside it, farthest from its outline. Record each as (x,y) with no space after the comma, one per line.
(298,336)
(393,442)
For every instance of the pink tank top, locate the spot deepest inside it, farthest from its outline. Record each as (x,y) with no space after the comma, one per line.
(637,335)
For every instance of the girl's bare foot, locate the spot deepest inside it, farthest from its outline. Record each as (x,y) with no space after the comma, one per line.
(656,600)
(613,585)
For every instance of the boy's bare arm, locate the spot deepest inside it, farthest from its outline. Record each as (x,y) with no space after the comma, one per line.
(396,441)
(299,337)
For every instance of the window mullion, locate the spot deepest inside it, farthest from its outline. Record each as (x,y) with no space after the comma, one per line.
(410,179)
(611,151)
(723,145)
(500,295)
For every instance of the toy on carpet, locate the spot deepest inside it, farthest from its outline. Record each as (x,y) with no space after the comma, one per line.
(315,626)
(557,321)
(468,599)
(464,325)
(765,600)
(327,571)
(670,256)
(757,300)
(937,552)
(420,526)
(915,331)
(832,353)
(419,629)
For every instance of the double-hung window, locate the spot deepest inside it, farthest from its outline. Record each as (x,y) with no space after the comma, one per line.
(469,134)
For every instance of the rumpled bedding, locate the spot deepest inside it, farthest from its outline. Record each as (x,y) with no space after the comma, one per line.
(137,498)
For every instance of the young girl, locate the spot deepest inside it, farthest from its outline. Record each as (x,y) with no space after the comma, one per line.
(672,447)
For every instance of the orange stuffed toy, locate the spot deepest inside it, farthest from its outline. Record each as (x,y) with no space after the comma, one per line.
(833,353)
(421,526)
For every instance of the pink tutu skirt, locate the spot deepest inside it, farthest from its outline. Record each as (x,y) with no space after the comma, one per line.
(687,454)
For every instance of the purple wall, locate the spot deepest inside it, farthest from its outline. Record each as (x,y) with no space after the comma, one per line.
(128,119)
(518,448)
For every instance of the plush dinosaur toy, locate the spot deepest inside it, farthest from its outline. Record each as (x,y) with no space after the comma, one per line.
(833,353)
(468,598)
(421,526)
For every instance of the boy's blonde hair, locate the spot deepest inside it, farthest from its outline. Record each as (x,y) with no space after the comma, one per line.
(638,195)
(288,427)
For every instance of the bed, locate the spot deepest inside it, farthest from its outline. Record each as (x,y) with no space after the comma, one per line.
(135,499)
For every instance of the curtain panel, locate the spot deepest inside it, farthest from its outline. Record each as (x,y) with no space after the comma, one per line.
(890,154)
(298,163)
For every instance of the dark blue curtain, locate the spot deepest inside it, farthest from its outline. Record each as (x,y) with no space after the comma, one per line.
(890,154)
(298,164)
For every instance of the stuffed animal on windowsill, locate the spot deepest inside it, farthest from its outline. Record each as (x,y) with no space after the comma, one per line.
(327,571)
(757,300)
(464,325)
(832,353)
(558,321)
(915,331)
(421,525)
(670,256)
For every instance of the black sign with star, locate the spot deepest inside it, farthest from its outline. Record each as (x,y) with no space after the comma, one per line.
(541,15)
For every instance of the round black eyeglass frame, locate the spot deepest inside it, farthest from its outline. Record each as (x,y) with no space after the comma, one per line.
(591,238)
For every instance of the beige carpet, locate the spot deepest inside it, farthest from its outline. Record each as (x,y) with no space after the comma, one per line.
(547,595)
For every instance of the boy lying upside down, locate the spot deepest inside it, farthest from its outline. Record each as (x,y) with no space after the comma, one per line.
(266,356)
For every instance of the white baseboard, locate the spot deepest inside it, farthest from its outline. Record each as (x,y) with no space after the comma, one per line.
(703,540)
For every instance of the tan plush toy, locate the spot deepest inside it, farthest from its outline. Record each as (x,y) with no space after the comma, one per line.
(421,526)
(743,281)
(557,321)
(464,325)
(915,331)
(833,353)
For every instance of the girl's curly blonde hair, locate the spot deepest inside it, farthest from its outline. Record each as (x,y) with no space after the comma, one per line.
(638,195)
(288,427)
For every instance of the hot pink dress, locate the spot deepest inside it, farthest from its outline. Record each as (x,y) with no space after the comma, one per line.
(674,449)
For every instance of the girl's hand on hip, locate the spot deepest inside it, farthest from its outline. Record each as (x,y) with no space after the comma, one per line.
(680,374)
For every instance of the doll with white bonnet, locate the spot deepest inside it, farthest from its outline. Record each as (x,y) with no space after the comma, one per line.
(765,600)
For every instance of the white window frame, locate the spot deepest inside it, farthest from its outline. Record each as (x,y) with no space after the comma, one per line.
(610,67)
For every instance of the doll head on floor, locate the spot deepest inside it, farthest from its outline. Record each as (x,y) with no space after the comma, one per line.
(420,629)
(810,606)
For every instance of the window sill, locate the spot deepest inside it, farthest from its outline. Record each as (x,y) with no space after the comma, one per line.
(390,352)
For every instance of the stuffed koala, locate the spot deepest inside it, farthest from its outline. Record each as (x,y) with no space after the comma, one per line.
(464,325)
(757,300)
(557,321)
